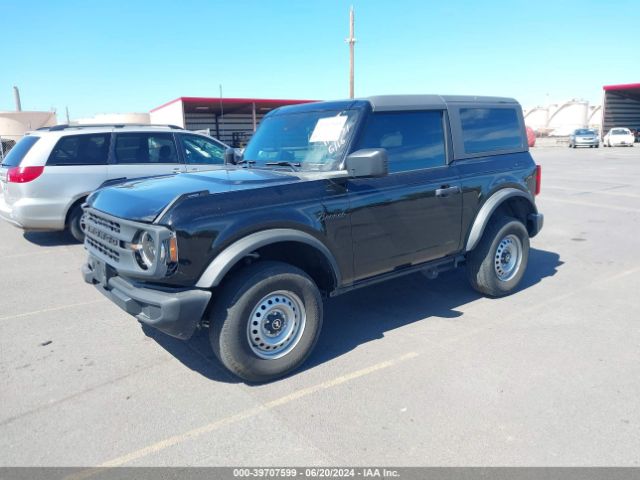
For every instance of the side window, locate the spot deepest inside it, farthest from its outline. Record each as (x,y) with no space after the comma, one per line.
(81,150)
(490,129)
(201,150)
(413,140)
(145,148)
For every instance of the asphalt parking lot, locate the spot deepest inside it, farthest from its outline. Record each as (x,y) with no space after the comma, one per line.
(410,372)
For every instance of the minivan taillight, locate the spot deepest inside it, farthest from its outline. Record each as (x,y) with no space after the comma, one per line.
(538,179)
(23,174)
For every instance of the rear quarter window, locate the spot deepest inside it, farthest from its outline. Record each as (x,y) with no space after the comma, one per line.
(88,149)
(490,129)
(19,151)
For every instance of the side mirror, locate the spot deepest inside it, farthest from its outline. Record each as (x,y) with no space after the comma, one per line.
(230,156)
(369,162)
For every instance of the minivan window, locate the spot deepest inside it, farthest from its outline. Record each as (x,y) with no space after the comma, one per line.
(19,150)
(490,129)
(413,140)
(201,150)
(141,147)
(89,149)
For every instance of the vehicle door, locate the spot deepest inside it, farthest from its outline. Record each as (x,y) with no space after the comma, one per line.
(201,153)
(413,214)
(77,165)
(144,154)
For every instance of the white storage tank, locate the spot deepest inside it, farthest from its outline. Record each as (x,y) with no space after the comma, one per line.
(537,118)
(117,118)
(13,125)
(568,116)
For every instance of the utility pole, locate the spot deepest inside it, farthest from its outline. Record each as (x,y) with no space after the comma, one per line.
(351,41)
(67,110)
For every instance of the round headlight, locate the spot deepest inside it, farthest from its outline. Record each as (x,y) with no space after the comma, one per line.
(148,249)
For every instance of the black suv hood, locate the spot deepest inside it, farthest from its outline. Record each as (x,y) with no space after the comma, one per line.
(144,199)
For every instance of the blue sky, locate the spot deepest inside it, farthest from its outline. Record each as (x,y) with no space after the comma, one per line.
(126,56)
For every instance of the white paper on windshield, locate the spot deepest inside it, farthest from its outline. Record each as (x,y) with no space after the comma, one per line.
(328,129)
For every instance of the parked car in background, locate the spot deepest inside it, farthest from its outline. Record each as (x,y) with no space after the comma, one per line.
(46,177)
(584,137)
(618,137)
(531,137)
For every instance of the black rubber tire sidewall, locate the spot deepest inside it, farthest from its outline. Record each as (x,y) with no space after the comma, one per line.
(480,267)
(74,224)
(232,310)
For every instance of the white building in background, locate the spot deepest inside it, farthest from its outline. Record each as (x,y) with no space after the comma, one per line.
(117,118)
(13,125)
(560,119)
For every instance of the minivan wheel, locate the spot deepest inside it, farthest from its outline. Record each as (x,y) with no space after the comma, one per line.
(265,321)
(497,264)
(76,223)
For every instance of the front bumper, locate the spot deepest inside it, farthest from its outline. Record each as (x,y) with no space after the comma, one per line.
(586,143)
(176,312)
(535,222)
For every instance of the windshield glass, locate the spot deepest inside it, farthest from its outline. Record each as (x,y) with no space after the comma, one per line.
(584,131)
(312,141)
(17,153)
(620,131)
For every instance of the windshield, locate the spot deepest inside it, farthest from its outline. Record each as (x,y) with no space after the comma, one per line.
(585,132)
(17,153)
(620,131)
(312,141)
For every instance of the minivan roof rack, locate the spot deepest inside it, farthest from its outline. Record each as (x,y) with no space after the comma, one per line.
(65,126)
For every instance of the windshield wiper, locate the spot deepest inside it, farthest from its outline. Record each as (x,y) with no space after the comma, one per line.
(243,162)
(293,165)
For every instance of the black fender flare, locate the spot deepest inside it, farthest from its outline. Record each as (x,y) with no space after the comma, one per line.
(227,258)
(487,209)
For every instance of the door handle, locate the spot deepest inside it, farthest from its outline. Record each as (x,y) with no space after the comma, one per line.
(446,190)
(177,170)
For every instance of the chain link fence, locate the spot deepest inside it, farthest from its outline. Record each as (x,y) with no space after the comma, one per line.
(6,144)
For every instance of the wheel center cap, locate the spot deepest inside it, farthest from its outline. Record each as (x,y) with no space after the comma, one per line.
(506,257)
(275,323)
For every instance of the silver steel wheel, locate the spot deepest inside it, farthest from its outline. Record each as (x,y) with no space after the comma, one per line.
(508,257)
(276,325)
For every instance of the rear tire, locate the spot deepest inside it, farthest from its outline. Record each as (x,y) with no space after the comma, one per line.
(76,223)
(266,321)
(497,264)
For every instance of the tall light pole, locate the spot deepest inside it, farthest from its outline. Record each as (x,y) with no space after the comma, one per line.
(351,41)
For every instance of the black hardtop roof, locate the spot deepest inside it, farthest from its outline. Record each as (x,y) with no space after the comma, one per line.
(396,102)
(413,102)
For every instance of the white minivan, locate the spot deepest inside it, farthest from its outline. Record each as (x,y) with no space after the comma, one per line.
(47,175)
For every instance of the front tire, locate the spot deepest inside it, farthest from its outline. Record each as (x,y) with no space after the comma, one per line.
(76,224)
(266,321)
(497,264)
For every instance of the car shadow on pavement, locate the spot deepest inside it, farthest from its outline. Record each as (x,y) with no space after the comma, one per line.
(195,354)
(50,239)
(366,314)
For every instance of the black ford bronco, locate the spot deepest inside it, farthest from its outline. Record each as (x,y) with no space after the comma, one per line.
(327,197)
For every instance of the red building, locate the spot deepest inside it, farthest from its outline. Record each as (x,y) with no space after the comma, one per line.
(232,120)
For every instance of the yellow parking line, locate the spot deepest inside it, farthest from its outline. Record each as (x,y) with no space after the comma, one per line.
(240,416)
(52,309)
